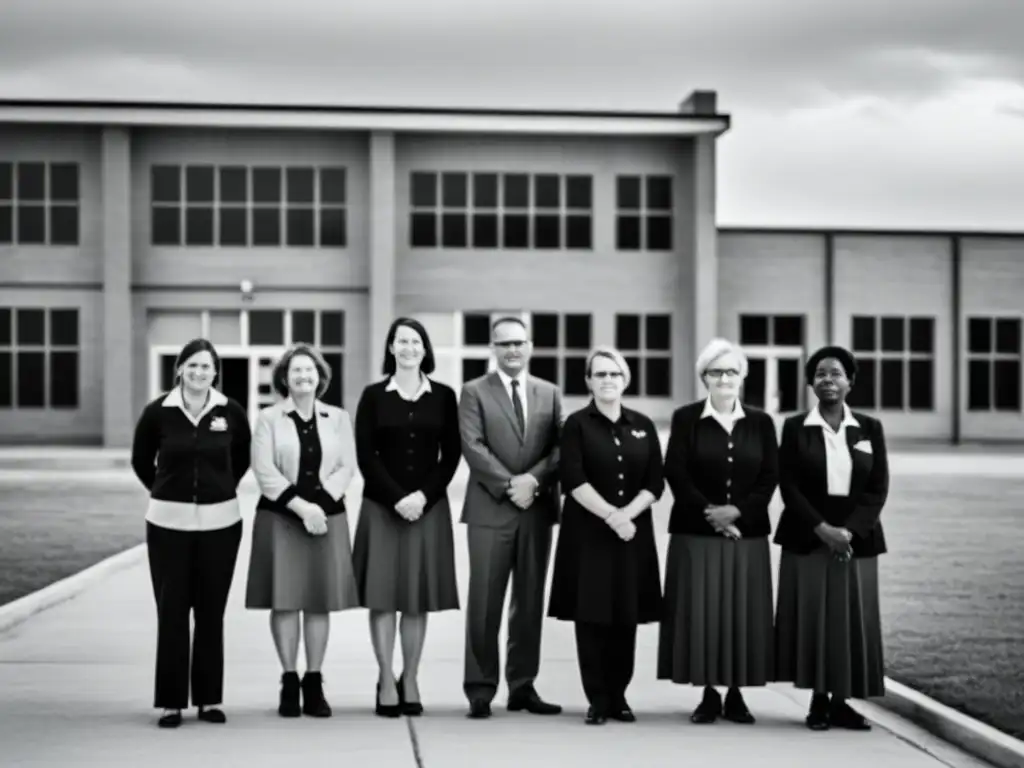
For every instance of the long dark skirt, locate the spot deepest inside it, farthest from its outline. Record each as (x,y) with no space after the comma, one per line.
(828,627)
(717,628)
(292,570)
(402,566)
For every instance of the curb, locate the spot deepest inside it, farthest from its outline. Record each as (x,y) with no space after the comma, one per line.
(23,608)
(973,736)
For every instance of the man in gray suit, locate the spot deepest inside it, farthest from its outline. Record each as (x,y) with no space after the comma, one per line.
(510,425)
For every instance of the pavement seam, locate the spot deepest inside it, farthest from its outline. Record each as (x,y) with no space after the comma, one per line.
(414,739)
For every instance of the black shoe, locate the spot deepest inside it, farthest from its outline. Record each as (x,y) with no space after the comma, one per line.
(735,708)
(313,702)
(709,708)
(409,708)
(479,709)
(842,715)
(212,715)
(818,716)
(595,716)
(532,703)
(623,713)
(289,704)
(386,710)
(170,720)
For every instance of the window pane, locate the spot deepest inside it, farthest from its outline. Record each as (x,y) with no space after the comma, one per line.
(454,192)
(790,383)
(788,330)
(31,181)
(64,182)
(332,186)
(5,326)
(546,191)
(892,383)
(266,326)
(31,324)
(517,231)
(864,334)
(659,193)
(335,393)
(485,230)
(659,233)
(453,230)
(546,232)
(577,232)
(266,226)
(476,330)
(893,339)
(299,182)
(754,384)
(517,190)
(31,380)
(627,233)
(545,330)
(1007,385)
(166,226)
(333,229)
(6,223)
(266,185)
(332,329)
(579,192)
(922,385)
(6,181)
(577,332)
(473,368)
(627,332)
(166,183)
(64,224)
(865,389)
(658,377)
(233,185)
(627,193)
(167,372)
(1008,336)
(424,190)
(63,379)
(545,367)
(485,190)
(922,334)
(574,376)
(634,367)
(303,326)
(199,184)
(198,226)
(658,334)
(6,388)
(301,227)
(64,327)
(233,226)
(423,230)
(979,334)
(979,385)
(31,224)
(753,330)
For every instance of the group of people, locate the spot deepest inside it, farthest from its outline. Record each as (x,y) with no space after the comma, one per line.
(595,473)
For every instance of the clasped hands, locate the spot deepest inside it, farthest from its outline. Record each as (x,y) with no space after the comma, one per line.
(522,490)
(722,518)
(621,521)
(314,519)
(411,507)
(839,540)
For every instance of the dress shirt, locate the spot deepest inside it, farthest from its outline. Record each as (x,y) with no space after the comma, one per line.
(423,389)
(837,451)
(728,421)
(506,380)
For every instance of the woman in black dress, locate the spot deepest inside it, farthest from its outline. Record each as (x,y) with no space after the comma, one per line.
(722,465)
(834,477)
(408,444)
(606,577)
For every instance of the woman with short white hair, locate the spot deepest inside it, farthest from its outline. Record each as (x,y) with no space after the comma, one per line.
(722,467)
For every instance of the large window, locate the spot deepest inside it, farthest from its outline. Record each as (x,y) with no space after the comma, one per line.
(896,361)
(560,347)
(39,203)
(39,356)
(775,356)
(205,205)
(644,213)
(993,364)
(646,343)
(500,210)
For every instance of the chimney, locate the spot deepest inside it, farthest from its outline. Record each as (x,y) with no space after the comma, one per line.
(703,103)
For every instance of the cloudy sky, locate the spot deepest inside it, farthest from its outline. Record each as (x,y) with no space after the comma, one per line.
(876,113)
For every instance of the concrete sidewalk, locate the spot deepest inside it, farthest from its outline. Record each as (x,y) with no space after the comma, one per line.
(76,684)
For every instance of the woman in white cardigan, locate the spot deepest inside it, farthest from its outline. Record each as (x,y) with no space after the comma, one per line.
(303,457)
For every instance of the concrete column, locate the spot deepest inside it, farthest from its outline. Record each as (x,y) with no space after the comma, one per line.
(115,183)
(382,243)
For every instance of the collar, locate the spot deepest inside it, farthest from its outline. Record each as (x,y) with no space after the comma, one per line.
(710,412)
(424,388)
(625,414)
(288,405)
(507,380)
(815,419)
(175,399)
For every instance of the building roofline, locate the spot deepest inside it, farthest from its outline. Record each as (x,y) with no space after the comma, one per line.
(847,231)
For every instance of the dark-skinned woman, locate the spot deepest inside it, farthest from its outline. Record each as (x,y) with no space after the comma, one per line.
(834,479)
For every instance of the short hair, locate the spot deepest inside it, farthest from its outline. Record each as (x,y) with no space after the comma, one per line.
(843,355)
(509,319)
(609,353)
(279,377)
(714,350)
(390,365)
(194,347)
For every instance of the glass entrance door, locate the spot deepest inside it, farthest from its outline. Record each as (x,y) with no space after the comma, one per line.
(775,379)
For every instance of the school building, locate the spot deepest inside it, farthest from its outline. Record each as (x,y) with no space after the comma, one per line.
(127,229)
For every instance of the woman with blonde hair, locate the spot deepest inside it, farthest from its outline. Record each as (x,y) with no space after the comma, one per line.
(606,577)
(722,466)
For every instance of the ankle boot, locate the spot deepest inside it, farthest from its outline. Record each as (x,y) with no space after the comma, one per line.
(289,706)
(313,701)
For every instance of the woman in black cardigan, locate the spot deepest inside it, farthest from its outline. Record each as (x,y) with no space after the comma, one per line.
(722,467)
(834,481)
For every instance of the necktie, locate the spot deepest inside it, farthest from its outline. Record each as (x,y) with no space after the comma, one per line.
(517,405)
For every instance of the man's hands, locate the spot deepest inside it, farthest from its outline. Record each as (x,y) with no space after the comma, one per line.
(522,490)
(723,519)
(411,507)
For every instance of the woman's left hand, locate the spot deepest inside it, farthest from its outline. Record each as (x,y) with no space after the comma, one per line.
(722,516)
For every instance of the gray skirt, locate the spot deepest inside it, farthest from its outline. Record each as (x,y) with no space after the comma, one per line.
(717,627)
(828,628)
(292,570)
(402,566)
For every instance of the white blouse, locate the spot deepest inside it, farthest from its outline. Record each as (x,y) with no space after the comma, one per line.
(837,451)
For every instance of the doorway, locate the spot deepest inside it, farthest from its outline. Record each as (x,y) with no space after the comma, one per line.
(774,382)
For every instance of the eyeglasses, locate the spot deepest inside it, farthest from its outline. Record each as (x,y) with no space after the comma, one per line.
(607,374)
(510,344)
(717,373)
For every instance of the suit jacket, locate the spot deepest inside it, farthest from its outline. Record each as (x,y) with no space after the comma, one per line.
(803,482)
(275,452)
(496,449)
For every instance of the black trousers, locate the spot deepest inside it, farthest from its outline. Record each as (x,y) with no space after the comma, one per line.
(191,573)
(606,653)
